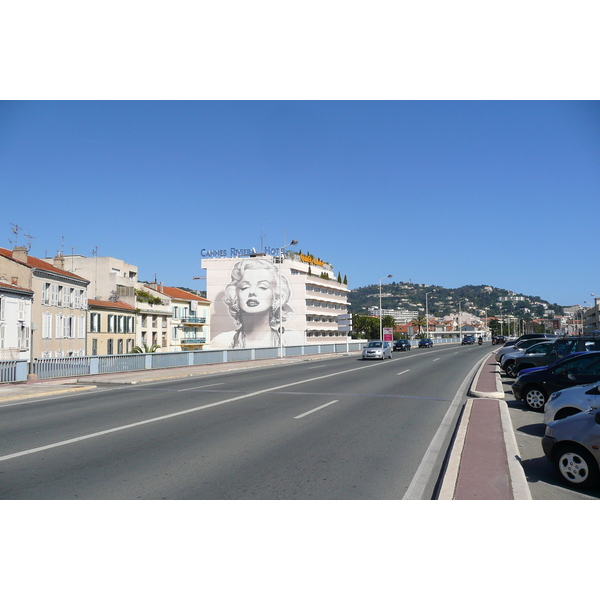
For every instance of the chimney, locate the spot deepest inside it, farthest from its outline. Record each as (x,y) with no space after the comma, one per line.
(59,261)
(20,253)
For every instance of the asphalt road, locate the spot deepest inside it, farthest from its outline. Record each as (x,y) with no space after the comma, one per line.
(338,428)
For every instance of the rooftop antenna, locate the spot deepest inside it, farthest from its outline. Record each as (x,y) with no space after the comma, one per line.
(262,236)
(31,237)
(15,229)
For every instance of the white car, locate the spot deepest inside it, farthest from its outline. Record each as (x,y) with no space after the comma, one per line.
(571,401)
(381,350)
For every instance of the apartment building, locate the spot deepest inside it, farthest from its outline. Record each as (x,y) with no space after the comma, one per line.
(59,306)
(15,321)
(111,328)
(190,319)
(114,280)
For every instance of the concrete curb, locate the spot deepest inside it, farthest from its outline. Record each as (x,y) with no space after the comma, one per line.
(517,478)
(451,475)
(498,394)
(66,390)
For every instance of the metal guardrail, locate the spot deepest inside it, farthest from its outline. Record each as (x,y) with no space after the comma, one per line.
(12,371)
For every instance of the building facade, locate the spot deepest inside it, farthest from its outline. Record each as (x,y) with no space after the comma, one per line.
(59,308)
(190,319)
(15,322)
(262,300)
(111,328)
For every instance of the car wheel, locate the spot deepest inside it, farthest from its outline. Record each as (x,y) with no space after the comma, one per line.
(509,367)
(535,398)
(576,466)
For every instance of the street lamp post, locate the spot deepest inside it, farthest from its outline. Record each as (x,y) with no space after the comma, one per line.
(292,243)
(427,315)
(380,315)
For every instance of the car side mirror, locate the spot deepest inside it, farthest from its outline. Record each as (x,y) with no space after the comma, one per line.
(594,391)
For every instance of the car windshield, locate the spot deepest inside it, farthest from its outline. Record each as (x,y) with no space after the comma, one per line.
(374,345)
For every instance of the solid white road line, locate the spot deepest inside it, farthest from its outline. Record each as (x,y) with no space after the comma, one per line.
(402,372)
(421,477)
(316,409)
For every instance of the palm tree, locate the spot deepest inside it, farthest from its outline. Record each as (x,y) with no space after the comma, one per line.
(419,322)
(145,350)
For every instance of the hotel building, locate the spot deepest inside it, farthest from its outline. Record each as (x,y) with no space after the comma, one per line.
(316,296)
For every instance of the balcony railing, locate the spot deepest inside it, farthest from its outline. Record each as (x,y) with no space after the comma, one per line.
(186,319)
(193,341)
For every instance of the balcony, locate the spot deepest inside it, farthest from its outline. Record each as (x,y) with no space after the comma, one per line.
(186,319)
(193,341)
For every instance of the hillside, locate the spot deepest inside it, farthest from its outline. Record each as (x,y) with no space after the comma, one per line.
(476,299)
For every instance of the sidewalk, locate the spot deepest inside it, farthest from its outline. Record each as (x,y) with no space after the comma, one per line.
(484,463)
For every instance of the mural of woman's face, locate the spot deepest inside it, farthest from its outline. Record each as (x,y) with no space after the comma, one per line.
(255,293)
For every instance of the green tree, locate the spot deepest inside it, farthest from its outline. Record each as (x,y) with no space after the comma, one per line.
(145,350)
(420,322)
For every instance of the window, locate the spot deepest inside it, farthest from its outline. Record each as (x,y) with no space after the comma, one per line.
(95,322)
(60,326)
(94,347)
(81,327)
(2,334)
(120,346)
(109,346)
(176,312)
(46,326)
(46,293)
(111,324)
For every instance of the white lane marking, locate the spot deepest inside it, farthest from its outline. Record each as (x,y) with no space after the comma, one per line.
(316,409)
(201,387)
(402,372)
(180,413)
(435,359)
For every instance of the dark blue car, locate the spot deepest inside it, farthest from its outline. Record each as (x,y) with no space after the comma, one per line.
(534,386)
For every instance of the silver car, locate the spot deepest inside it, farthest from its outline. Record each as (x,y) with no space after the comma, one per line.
(573,446)
(571,401)
(507,361)
(381,350)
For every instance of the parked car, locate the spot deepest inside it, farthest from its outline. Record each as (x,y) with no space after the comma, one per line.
(534,386)
(381,350)
(425,343)
(560,348)
(402,345)
(571,401)
(468,339)
(508,360)
(521,345)
(499,340)
(573,447)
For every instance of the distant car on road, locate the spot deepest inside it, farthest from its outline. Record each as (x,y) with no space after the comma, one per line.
(381,350)
(425,343)
(468,339)
(573,446)
(403,345)
(498,340)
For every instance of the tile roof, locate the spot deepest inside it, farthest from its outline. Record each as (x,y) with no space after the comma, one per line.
(16,288)
(38,263)
(114,305)
(174,292)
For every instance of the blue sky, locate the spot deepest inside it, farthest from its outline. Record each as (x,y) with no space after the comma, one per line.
(503,193)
